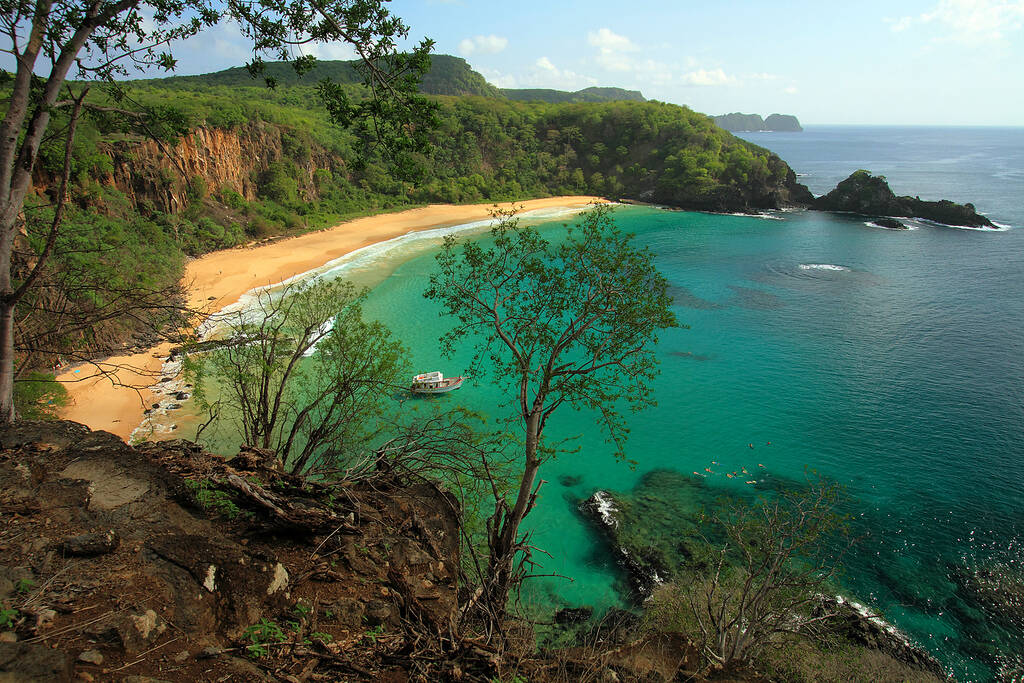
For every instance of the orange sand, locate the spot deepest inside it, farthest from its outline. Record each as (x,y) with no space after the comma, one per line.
(221,278)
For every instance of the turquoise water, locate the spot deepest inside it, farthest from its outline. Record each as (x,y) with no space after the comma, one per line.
(890,361)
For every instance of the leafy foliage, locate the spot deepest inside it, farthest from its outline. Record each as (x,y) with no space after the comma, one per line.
(38,396)
(302,373)
(261,636)
(572,323)
(213,499)
(766,567)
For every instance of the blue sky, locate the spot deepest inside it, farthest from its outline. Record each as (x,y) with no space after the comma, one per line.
(934,62)
(917,62)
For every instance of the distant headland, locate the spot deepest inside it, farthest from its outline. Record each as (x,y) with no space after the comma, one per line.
(752,123)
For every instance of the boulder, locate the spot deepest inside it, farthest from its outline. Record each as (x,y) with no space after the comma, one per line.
(90,545)
(34,663)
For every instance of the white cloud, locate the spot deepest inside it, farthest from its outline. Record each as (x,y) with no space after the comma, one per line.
(546,75)
(971,22)
(495,77)
(707,77)
(612,50)
(606,39)
(617,53)
(336,50)
(791,90)
(899,25)
(482,45)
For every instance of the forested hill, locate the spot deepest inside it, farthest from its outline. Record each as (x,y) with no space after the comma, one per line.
(593,94)
(447,76)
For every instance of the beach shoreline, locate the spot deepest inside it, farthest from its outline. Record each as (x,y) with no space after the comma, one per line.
(213,281)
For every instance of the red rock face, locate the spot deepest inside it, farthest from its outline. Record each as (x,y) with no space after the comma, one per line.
(159,173)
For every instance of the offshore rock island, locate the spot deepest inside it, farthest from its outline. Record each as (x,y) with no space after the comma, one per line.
(869,195)
(753,123)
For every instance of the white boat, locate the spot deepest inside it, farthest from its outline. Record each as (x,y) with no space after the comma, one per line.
(435,383)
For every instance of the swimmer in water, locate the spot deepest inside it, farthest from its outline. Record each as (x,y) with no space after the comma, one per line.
(751,445)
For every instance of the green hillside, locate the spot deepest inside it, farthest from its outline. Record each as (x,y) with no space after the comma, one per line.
(255,162)
(593,94)
(447,76)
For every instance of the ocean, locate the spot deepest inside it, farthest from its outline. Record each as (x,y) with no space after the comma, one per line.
(889,361)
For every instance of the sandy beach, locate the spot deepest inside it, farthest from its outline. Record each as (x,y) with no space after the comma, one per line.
(221,278)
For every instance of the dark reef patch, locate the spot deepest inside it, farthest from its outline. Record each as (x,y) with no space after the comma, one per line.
(755,299)
(681,296)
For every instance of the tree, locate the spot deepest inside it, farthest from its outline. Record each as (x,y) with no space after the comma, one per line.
(768,567)
(301,372)
(102,39)
(572,323)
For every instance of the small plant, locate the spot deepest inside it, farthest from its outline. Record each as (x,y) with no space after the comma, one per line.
(373,633)
(7,617)
(24,585)
(320,635)
(212,499)
(261,635)
(301,610)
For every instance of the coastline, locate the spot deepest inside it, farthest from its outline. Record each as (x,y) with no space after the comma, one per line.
(221,278)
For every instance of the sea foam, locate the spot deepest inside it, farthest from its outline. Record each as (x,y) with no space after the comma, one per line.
(872,224)
(999,226)
(822,266)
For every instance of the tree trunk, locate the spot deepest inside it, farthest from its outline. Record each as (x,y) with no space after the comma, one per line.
(7,413)
(504,544)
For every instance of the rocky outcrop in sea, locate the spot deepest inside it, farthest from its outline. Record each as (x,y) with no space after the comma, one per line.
(869,195)
(653,529)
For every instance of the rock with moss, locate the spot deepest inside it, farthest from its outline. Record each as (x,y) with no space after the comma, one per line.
(652,530)
(869,195)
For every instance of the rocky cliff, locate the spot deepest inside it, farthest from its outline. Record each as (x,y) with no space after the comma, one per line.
(163,174)
(869,195)
(163,562)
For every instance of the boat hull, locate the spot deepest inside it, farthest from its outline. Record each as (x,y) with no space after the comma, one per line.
(443,389)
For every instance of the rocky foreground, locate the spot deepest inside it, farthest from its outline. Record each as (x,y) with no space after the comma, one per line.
(163,562)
